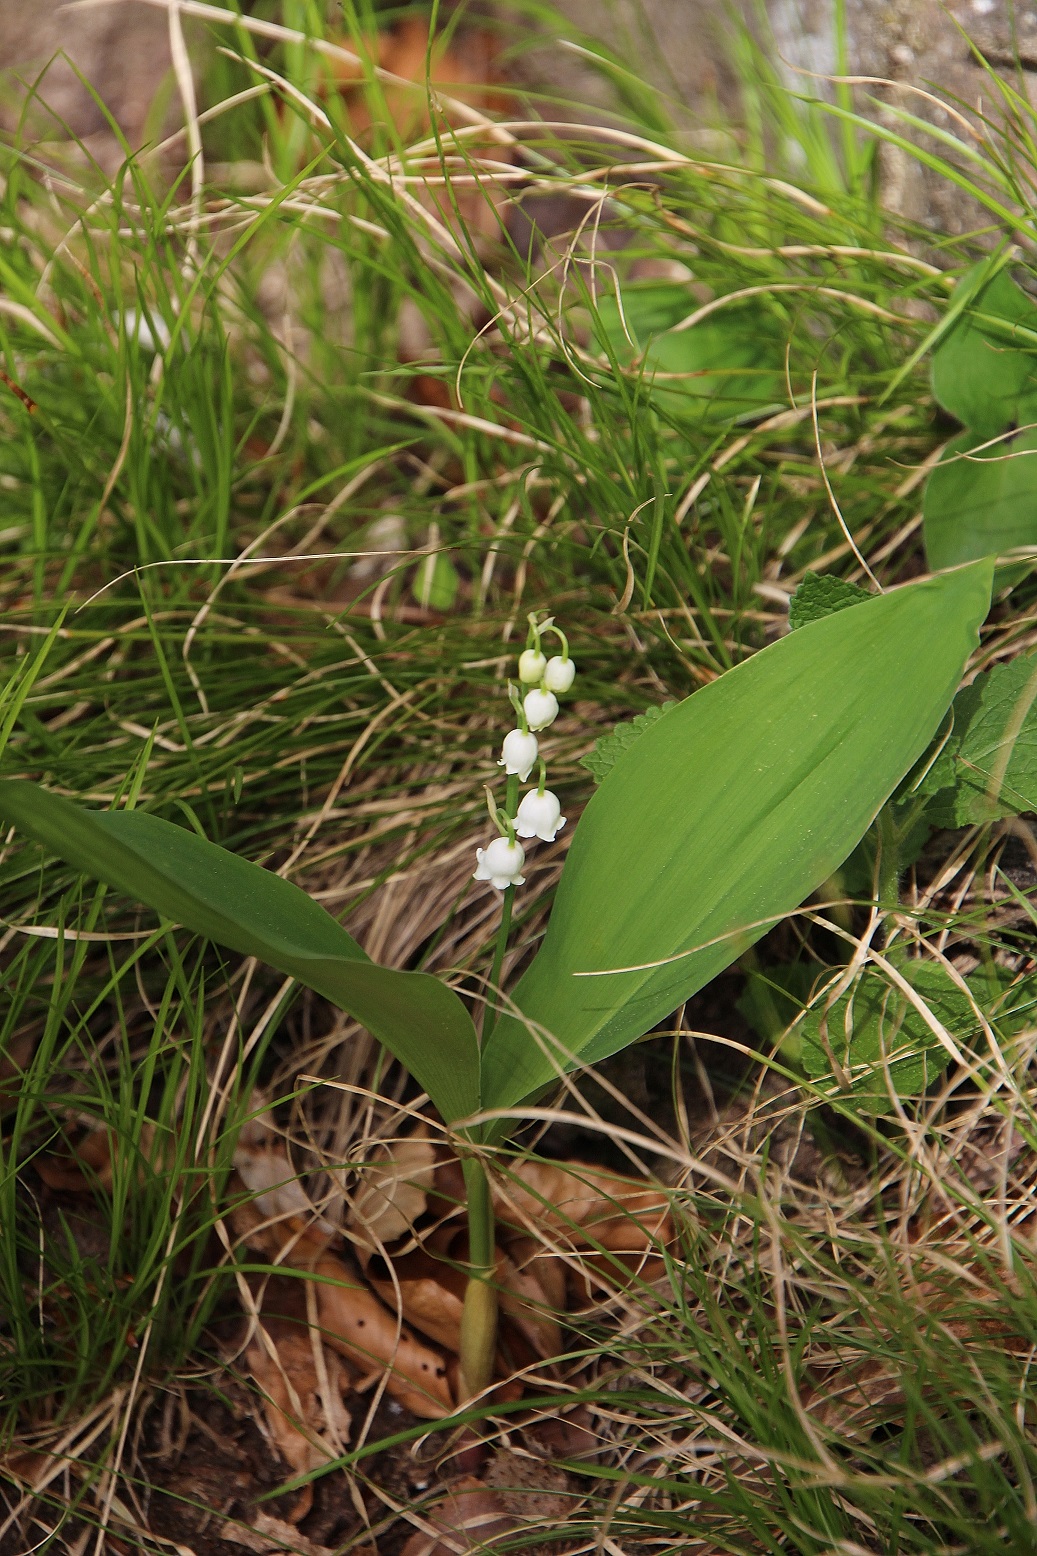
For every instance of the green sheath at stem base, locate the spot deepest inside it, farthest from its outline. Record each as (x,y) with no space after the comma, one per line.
(479,1313)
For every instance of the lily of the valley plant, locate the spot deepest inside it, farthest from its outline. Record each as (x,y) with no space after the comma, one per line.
(722,817)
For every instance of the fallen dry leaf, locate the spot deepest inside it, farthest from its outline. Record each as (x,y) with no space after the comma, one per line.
(14,1061)
(568,1435)
(356,1324)
(82,1165)
(532,1261)
(528,1305)
(428,1292)
(277,1193)
(270,1536)
(468,1518)
(468,73)
(352,1320)
(437,85)
(427,1285)
(587,1204)
(298,1406)
(393,1192)
(608,1226)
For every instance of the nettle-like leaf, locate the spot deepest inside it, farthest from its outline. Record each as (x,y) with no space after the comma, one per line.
(988,767)
(609,748)
(731,363)
(213,892)
(880,1043)
(981,500)
(723,816)
(822,594)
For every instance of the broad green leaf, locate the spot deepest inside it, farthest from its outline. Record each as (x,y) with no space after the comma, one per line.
(649,308)
(981,501)
(731,363)
(881,1040)
(726,814)
(984,371)
(609,748)
(822,594)
(988,767)
(238,904)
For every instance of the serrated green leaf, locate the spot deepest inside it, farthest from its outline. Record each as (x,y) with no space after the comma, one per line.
(988,767)
(609,748)
(726,814)
(984,372)
(822,594)
(981,501)
(882,1042)
(213,892)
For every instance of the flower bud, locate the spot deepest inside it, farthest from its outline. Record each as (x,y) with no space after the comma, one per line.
(532,665)
(559,674)
(518,753)
(501,864)
(539,815)
(540,708)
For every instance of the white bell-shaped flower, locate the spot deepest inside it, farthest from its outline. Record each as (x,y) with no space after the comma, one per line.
(151,336)
(501,863)
(519,753)
(539,815)
(540,708)
(559,674)
(531,666)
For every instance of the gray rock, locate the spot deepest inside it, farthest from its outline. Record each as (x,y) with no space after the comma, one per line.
(907,43)
(122,50)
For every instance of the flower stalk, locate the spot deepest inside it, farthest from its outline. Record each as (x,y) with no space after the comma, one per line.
(539,815)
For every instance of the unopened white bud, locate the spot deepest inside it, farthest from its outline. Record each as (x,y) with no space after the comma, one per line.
(532,665)
(540,708)
(559,674)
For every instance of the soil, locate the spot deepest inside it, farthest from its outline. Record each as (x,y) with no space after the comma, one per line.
(213,1492)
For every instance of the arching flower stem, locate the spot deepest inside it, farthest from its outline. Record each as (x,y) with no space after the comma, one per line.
(502,819)
(520,712)
(549,626)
